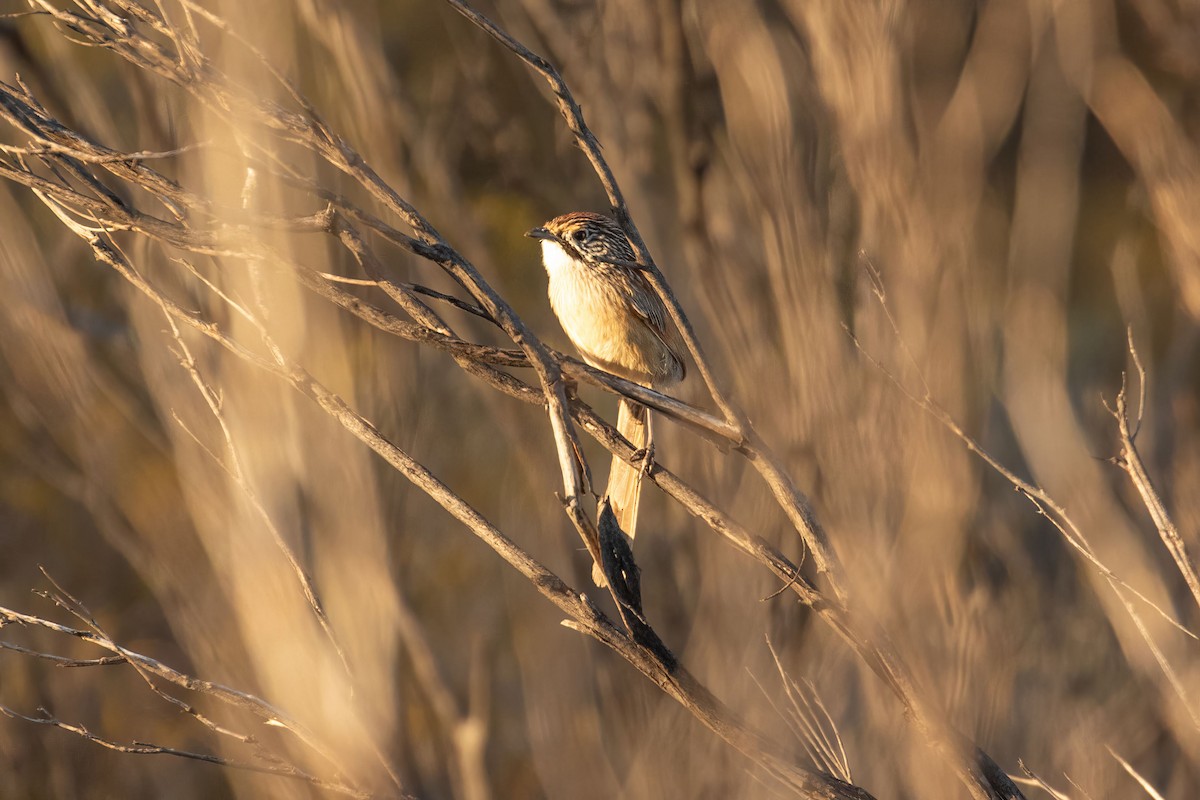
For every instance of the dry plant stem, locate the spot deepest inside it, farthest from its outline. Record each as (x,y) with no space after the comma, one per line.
(717,430)
(1133,773)
(585,617)
(1034,780)
(462,730)
(1035,494)
(63,661)
(810,722)
(53,149)
(1048,507)
(67,601)
(1082,792)
(879,659)
(237,474)
(267,713)
(234,470)
(1131,461)
(143,748)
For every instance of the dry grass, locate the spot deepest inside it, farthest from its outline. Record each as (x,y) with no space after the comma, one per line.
(905,234)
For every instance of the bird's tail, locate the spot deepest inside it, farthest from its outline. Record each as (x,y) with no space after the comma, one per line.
(625,480)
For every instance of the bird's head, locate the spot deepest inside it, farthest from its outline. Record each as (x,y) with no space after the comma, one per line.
(584,235)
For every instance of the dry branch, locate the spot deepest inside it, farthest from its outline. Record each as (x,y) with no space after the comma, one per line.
(144,748)
(266,713)
(1131,462)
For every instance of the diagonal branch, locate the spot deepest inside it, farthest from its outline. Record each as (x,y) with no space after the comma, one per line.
(144,748)
(1130,460)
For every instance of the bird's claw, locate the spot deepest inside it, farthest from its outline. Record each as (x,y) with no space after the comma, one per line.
(570,387)
(644,458)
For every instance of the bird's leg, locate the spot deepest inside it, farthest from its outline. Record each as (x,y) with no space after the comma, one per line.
(644,456)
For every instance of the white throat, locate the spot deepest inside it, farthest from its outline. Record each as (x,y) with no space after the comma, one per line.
(558,262)
(571,292)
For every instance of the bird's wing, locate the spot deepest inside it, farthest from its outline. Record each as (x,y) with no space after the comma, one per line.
(647,305)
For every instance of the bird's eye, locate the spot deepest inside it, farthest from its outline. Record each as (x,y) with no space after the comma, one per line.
(579,236)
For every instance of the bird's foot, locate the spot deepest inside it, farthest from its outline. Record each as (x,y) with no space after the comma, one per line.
(570,387)
(644,458)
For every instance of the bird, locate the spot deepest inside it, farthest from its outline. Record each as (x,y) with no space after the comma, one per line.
(618,323)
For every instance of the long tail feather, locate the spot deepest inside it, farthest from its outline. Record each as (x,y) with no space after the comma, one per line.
(625,481)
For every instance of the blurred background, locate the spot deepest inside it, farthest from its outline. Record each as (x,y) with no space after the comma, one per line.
(1024,177)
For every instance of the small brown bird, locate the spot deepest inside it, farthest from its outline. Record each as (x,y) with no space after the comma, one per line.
(618,323)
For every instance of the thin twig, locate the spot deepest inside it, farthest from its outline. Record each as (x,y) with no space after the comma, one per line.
(1061,521)
(266,712)
(1145,784)
(1033,779)
(1130,460)
(144,748)
(63,661)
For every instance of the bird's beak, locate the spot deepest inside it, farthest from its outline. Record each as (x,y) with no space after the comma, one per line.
(540,233)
